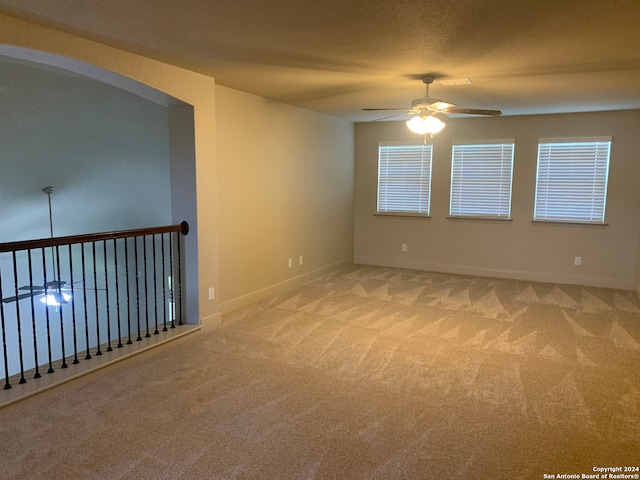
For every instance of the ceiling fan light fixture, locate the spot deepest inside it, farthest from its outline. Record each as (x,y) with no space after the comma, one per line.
(55,299)
(425,124)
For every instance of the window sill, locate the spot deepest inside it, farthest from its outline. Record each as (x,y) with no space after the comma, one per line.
(569,224)
(479,217)
(401,214)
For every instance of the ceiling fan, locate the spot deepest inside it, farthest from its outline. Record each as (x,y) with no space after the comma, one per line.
(429,112)
(54,293)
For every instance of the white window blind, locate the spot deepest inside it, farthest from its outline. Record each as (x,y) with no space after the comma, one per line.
(572,180)
(481,179)
(404,179)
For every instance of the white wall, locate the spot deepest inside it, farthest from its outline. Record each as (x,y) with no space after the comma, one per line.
(517,249)
(286,190)
(104,150)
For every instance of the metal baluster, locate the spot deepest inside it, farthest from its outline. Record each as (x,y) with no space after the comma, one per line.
(7,385)
(155,286)
(95,290)
(115,261)
(73,309)
(146,287)
(173,283)
(164,286)
(46,311)
(33,319)
(106,291)
(59,308)
(179,239)
(126,264)
(135,251)
(18,320)
(84,299)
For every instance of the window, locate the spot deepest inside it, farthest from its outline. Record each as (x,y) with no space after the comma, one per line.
(481,179)
(572,180)
(404,179)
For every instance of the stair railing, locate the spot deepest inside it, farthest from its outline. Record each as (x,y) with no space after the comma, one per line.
(67,299)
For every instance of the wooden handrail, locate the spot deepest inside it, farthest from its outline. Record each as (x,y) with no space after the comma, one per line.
(90,237)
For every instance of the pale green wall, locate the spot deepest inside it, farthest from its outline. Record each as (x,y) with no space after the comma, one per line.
(104,150)
(286,190)
(131,72)
(517,249)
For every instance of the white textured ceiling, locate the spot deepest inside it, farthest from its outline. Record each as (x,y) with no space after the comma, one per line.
(339,56)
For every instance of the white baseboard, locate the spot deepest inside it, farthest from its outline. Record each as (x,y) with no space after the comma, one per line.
(214,320)
(499,273)
(253,297)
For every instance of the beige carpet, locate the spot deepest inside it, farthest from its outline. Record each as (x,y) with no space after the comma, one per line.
(368,373)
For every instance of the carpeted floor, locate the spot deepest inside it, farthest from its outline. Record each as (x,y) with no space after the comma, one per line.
(368,373)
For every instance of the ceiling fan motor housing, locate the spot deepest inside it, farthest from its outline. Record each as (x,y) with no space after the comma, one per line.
(423,102)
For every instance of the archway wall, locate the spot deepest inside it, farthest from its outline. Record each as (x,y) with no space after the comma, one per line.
(192,88)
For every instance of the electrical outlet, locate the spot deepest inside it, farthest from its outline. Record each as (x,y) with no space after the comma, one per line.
(290,262)
(404,247)
(212,293)
(301,260)
(577,261)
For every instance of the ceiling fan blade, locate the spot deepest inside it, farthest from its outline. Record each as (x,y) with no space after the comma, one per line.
(20,297)
(385,109)
(52,285)
(473,111)
(396,115)
(429,106)
(32,287)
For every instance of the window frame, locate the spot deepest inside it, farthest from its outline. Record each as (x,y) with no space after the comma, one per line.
(550,201)
(459,197)
(391,192)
